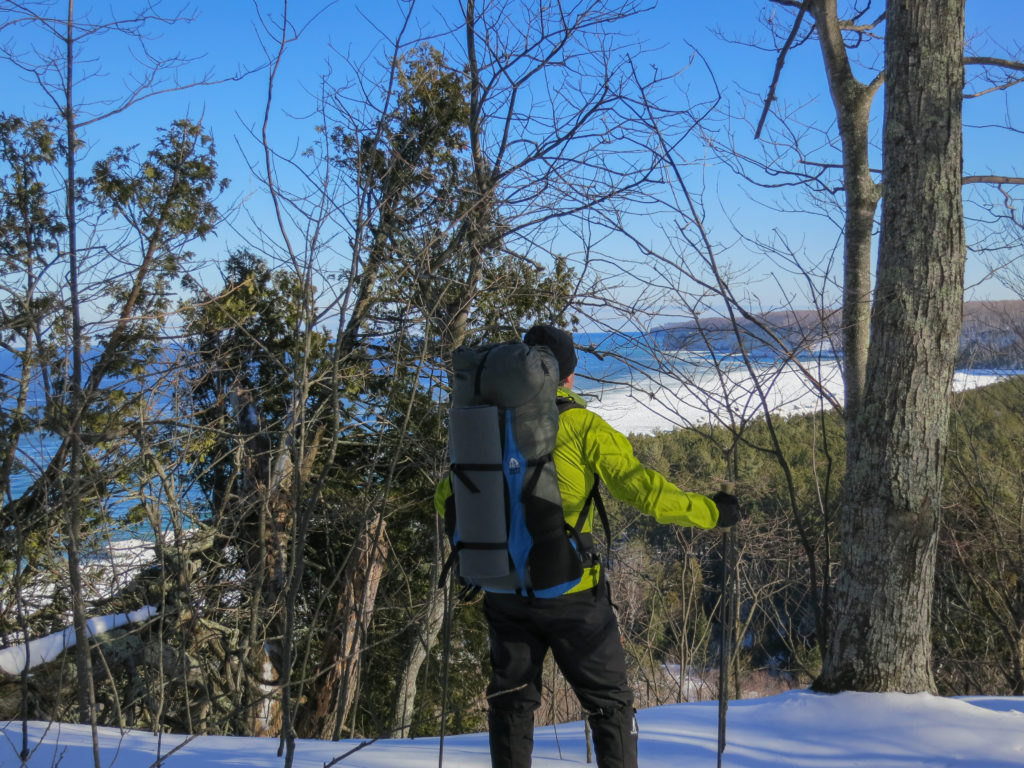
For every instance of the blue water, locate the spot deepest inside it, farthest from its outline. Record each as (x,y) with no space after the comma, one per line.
(620,358)
(606,361)
(36,449)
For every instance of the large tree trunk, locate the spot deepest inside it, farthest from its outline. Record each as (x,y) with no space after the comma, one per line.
(881,632)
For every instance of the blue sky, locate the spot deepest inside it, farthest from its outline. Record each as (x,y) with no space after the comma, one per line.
(225,39)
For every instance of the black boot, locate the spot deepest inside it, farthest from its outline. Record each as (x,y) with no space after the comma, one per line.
(615,738)
(511,735)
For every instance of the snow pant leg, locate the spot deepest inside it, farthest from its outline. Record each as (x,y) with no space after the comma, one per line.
(583,633)
(615,738)
(514,693)
(511,738)
(592,659)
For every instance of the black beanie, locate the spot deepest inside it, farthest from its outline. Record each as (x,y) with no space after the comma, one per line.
(559,342)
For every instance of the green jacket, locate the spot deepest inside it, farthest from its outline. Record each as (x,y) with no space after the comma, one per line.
(586,445)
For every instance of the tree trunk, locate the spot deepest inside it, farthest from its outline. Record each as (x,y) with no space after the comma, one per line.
(881,632)
(425,639)
(852,101)
(339,671)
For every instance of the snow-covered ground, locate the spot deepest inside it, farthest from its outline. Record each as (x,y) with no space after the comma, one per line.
(792,729)
(669,403)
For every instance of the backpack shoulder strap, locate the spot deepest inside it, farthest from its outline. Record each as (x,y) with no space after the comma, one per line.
(565,404)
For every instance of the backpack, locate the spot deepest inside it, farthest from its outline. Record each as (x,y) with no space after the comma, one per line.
(509,532)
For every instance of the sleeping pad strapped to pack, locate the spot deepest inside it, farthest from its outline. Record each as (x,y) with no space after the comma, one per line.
(510,531)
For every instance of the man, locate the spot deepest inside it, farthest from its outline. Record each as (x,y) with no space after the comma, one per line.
(578,627)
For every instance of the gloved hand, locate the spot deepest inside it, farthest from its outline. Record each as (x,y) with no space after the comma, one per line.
(728,509)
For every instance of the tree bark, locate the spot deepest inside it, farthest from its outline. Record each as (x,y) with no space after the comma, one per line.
(339,670)
(891,510)
(424,641)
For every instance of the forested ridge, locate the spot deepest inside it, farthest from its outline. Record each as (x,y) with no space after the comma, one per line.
(988,339)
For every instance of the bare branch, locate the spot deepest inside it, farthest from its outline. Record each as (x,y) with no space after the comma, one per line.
(990,61)
(779,63)
(993,180)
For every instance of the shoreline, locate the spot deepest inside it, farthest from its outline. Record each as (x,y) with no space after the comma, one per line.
(654,405)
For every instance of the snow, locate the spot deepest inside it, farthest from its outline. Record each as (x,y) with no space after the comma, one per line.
(46,649)
(670,402)
(106,572)
(797,728)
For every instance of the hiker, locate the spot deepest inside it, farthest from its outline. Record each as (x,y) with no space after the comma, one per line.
(579,626)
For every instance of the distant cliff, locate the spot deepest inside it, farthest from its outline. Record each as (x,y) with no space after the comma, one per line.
(992,335)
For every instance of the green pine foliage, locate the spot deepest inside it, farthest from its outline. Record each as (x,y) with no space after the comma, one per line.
(978,632)
(978,622)
(785,471)
(30,231)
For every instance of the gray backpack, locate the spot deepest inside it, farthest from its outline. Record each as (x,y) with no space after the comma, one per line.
(510,533)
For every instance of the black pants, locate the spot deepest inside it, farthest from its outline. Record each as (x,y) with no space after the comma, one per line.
(583,635)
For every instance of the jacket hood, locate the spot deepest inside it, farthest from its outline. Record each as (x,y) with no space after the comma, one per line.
(578,399)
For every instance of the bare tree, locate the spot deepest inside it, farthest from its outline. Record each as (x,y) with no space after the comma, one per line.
(979,602)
